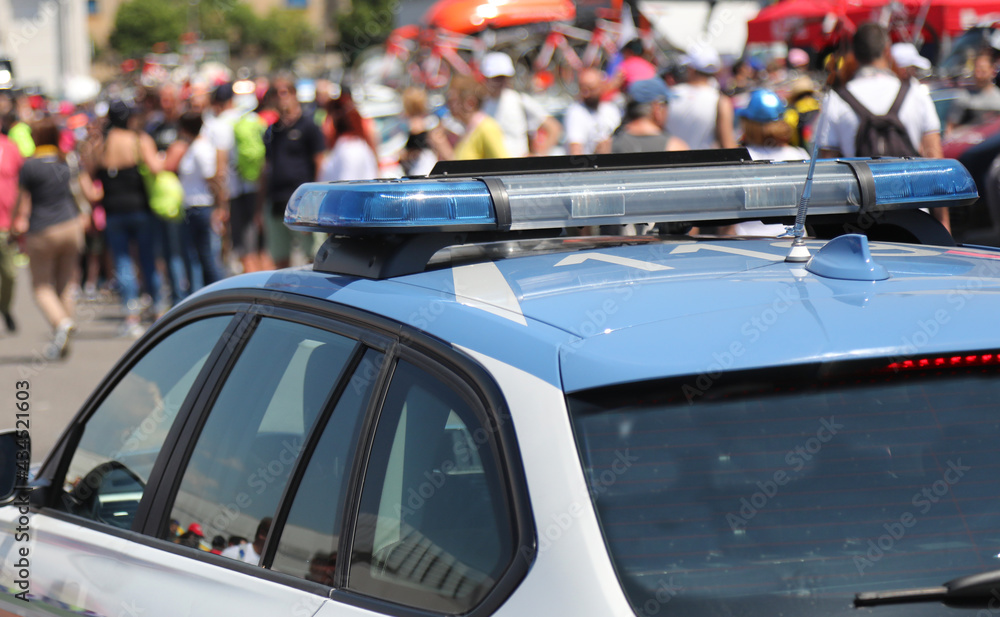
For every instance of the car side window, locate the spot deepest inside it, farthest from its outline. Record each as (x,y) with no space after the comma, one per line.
(111,465)
(311,534)
(434,530)
(253,436)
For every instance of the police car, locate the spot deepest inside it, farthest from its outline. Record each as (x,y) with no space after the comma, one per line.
(466,407)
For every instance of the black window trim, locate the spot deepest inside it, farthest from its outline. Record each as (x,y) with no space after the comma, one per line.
(472,383)
(53,471)
(180,457)
(313,437)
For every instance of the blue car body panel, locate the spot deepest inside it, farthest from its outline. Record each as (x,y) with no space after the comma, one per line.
(629,313)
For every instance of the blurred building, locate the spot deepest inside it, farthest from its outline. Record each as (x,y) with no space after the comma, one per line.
(46,42)
(320,13)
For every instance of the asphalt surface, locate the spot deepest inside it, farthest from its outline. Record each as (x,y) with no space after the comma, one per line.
(59,388)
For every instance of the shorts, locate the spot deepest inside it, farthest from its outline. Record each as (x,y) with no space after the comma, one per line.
(247,238)
(282,240)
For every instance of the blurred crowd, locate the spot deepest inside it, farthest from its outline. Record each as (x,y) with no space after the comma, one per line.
(153,195)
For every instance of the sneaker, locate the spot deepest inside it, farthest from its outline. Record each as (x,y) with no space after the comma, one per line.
(59,347)
(132,330)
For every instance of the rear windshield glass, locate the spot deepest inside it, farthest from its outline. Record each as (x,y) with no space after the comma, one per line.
(798,497)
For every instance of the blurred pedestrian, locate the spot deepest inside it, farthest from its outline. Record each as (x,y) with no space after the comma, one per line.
(10,170)
(803,111)
(114,161)
(418,158)
(644,128)
(527,126)
(163,126)
(979,103)
(48,216)
(350,156)
(195,159)
(633,67)
(701,115)
(767,136)
(879,91)
(295,148)
(482,138)
(590,121)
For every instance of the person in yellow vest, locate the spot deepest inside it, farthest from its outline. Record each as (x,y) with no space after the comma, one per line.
(802,112)
(483,137)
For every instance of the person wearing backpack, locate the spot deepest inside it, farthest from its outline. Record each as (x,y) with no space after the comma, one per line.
(240,135)
(876,113)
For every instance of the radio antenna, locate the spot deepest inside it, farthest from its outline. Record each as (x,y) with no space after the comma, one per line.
(799,253)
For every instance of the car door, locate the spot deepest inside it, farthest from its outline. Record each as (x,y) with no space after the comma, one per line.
(79,528)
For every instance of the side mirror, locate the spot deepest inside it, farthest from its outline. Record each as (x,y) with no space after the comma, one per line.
(15,458)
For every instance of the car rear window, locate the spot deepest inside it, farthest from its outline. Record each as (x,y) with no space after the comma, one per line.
(762,491)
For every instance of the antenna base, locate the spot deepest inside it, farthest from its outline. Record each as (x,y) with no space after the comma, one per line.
(799,252)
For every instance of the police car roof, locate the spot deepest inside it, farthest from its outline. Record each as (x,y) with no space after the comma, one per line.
(669,308)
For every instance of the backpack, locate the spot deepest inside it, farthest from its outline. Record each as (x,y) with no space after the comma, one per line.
(250,151)
(880,135)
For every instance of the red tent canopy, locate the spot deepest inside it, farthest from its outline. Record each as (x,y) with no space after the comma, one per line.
(788,19)
(469,16)
(780,21)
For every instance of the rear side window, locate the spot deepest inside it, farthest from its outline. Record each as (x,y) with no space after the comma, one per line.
(434,530)
(794,495)
(253,436)
(108,472)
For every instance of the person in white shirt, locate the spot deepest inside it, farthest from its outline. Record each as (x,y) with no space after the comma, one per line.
(700,114)
(590,121)
(250,552)
(195,160)
(875,86)
(527,126)
(351,157)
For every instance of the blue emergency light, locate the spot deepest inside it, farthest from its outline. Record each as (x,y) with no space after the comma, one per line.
(575,198)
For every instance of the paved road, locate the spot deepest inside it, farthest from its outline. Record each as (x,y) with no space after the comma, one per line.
(57,389)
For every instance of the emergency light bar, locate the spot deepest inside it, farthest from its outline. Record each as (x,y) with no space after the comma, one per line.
(535,201)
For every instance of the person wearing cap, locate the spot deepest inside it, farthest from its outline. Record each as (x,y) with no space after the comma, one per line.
(908,59)
(590,121)
(192,537)
(981,102)
(527,126)
(701,115)
(803,111)
(766,136)
(645,126)
(482,139)
(876,87)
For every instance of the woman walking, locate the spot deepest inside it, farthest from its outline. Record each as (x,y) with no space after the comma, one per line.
(48,216)
(115,162)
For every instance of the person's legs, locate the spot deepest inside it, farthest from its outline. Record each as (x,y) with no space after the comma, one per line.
(42,255)
(117,236)
(144,235)
(205,242)
(279,241)
(8,277)
(67,263)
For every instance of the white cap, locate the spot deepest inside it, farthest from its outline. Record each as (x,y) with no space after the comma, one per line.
(906,55)
(497,64)
(703,59)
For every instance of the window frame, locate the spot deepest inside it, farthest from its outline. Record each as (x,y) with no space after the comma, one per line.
(396,341)
(471,383)
(53,471)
